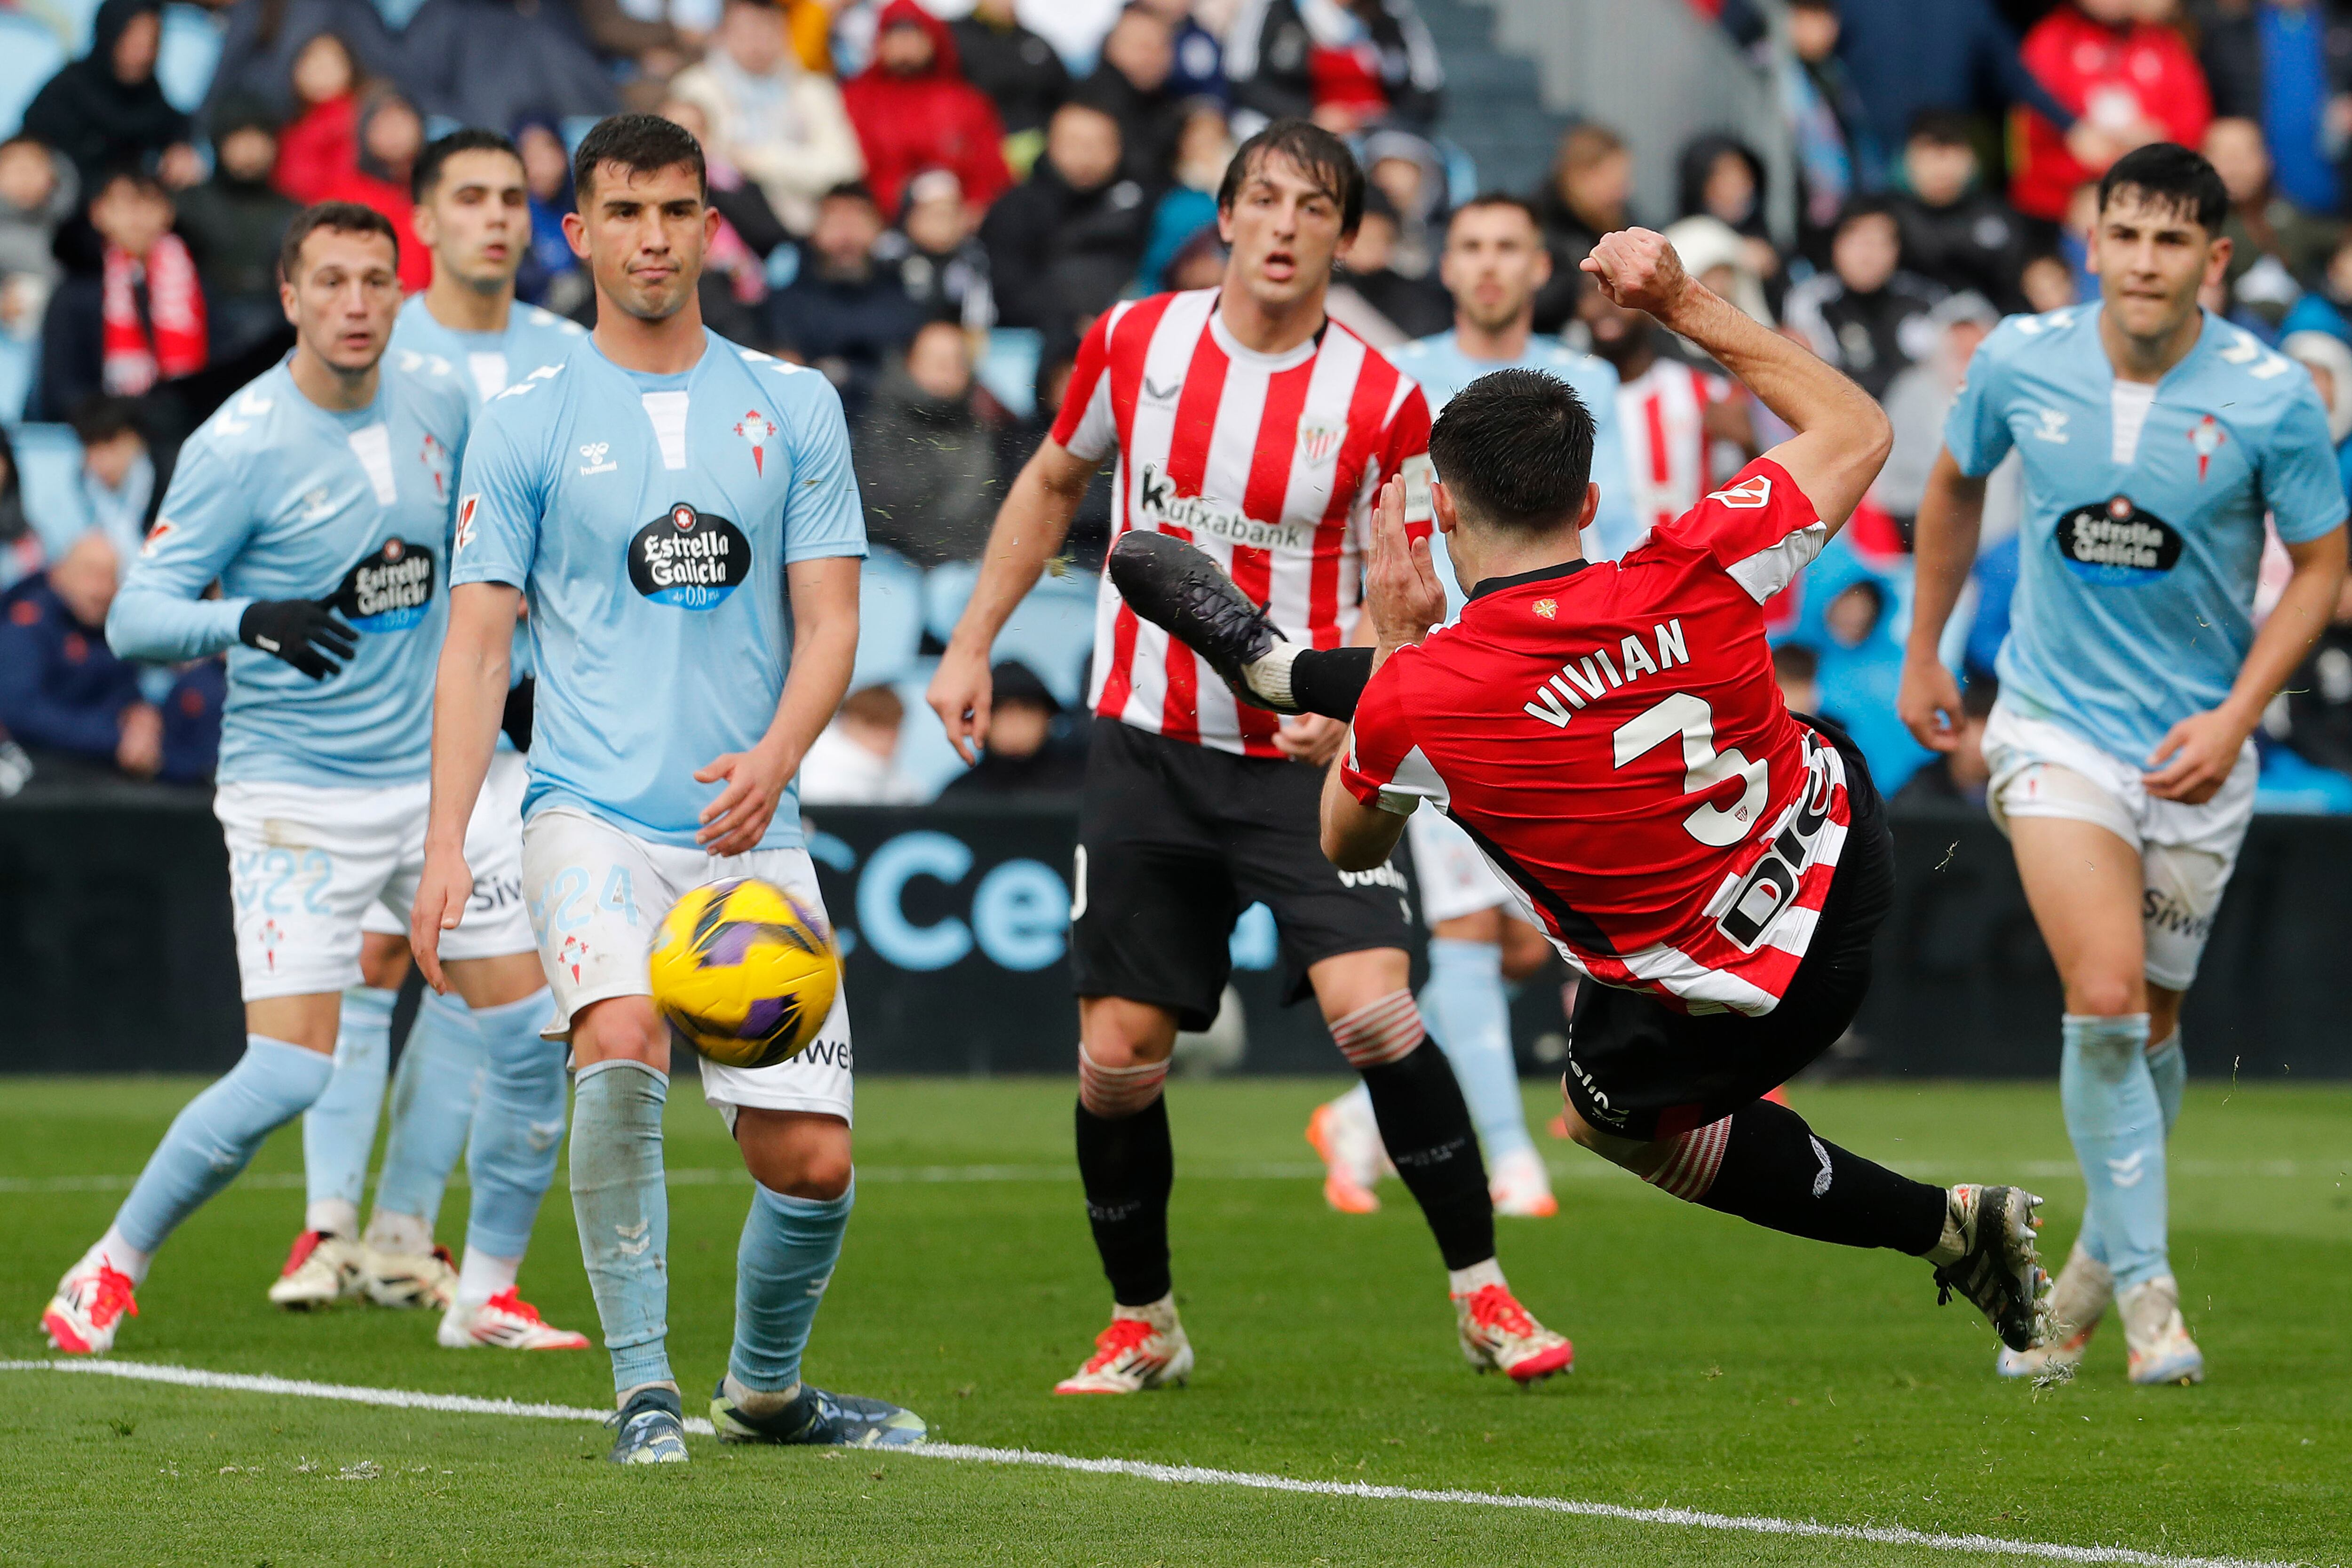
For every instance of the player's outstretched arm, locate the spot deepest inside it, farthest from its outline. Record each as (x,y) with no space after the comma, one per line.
(469,697)
(1030,527)
(825,647)
(1951,514)
(1842,436)
(1402,600)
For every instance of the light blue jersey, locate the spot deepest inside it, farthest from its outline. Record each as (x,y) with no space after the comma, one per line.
(279,498)
(649,519)
(1442,369)
(485,363)
(2143,515)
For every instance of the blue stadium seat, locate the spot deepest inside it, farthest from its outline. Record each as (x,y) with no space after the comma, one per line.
(189,54)
(926,758)
(1052,631)
(18,361)
(78,18)
(1009,369)
(945,589)
(29,56)
(889,619)
(49,457)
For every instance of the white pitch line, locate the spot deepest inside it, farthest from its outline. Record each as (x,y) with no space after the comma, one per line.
(1188,1475)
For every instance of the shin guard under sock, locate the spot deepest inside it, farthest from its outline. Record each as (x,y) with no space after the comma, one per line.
(2115,1118)
(622,1208)
(1426,1127)
(1128,1166)
(1765,1165)
(339,1130)
(217,1133)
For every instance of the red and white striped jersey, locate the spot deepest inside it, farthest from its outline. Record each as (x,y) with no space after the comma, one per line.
(1269,462)
(1611,736)
(1663,413)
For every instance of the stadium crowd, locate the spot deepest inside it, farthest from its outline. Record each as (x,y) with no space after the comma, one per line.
(933,209)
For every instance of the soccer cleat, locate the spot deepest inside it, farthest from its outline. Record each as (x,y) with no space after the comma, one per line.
(2077,1302)
(2155,1336)
(409,1278)
(1144,1347)
(814,1416)
(1521,1186)
(1349,1140)
(506,1321)
(322,1270)
(92,1301)
(652,1430)
(1989,1234)
(1185,594)
(1499,1335)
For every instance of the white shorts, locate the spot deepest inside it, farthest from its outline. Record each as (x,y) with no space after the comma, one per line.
(1454,878)
(2187,852)
(596,894)
(493,849)
(308,862)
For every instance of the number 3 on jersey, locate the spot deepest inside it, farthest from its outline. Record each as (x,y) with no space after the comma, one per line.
(1704,767)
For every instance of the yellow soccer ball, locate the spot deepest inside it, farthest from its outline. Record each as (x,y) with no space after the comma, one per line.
(746,972)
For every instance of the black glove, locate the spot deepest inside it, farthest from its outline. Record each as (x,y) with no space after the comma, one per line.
(308,635)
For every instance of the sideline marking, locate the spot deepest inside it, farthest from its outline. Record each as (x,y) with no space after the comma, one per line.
(1195,1474)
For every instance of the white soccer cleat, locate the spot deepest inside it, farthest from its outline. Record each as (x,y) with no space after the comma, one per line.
(92,1301)
(1345,1134)
(506,1321)
(2077,1302)
(409,1278)
(322,1270)
(1144,1347)
(1521,1186)
(1501,1335)
(2157,1339)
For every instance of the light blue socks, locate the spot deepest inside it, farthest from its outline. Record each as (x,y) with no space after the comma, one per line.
(216,1134)
(2117,1121)
(518,1125)
(339,1130)
(2169,1069)
(1470,1019)
(623,1210)
(433,1097)
(786,1258)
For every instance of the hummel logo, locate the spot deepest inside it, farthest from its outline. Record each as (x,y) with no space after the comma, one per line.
(2054,425)
(595,461)
(634,1239)
(2127,1171)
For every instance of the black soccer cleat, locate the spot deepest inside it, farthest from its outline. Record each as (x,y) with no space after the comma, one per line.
(651,1430)
(816,1417)
(1186,595)
(1999,1269)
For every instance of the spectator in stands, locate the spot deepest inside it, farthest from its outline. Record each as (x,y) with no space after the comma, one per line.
(36,194)
(1721,177)
(1862,665)
(500,62)
(64,696)
(118,473)
(914,110)
(321,144)
(1132,86)
(2277,250)
(843,313)
(1346,64)
(1200,70)
(925,464)
(130,311)
(2327,307)
(233,224)
(1797,670)
(1829,128)
(1864,315)
(20,546)
(1586,196)
(2284,64)
(936,247)
(734,269)
(1411,307)
(851,761)
(2129,81)
(2329,360)
(1064,242)
(2046,283)
(781,124)
(551,275)
(1959,776)
(1024,754)
(105,110)
(265,38)
(1203,148)
(1956,233)
(1671,416)
(1020,72)
(741,206)
(391,135)
(1918,397)
(1407,169)
(1905,56)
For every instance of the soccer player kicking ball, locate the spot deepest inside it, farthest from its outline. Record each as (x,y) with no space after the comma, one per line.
(473,211)
(1245,420)
(682,515)
(1611,736)
(2155,437)
(320,498)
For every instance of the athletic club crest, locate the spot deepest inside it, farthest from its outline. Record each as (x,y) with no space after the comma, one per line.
(1318,440)
(756,428)
(1546,608)
(2205,437)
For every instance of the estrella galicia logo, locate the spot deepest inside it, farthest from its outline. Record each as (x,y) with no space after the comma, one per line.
(390,590)
(688,558)
(2116,543)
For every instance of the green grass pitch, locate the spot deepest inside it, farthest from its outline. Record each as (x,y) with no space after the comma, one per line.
(1718,1367)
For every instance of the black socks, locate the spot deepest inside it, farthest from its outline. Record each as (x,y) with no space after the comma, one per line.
(1128,1166)
(1776,1172)
(1426,1127)
(1331,681)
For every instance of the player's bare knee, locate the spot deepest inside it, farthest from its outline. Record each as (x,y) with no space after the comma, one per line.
(621,1028)
(383,960)
(2105,996)
(798,1154)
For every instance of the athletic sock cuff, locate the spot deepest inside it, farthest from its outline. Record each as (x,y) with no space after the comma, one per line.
(1270,676)
(1452,954)
(538,1001)
(1690,1170)
(369,999)
(809,1208)
(1379,1032)
(1113,1093)
(592,1069)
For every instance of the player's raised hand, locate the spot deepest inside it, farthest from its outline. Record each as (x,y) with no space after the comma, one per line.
(735,822)
(2204,747)
(1637,269)
(1929,703)
(1401,591)
(443,890)
(1310,738)
(959,694)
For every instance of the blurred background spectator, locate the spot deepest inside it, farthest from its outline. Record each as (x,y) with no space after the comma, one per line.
(1958,776)
(118,472)
(926,463)
(942,264)
(1133,86)
(778,122)
(913,111)
(64,696)
(2277,250)
(1587,193)
(550,274)
(1405,305)
(106,111)
(849,762)
(1346,64)
(1866,315)
(2126,81)
(1067,241)
(20,546)
(129,311)
(321,143)
(1029,750)
(1020,72)
(844,314)
(37,191)
(233,223)
(1954,232)
(263,42)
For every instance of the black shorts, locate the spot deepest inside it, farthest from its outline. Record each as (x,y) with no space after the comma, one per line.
(1639,1069)
(1176,840)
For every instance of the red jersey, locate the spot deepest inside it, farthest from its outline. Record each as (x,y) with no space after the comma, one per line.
(1268,462)
(1611,736)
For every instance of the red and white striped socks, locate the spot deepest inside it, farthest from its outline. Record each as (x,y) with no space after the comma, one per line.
(1114,1093)
(1378,1032)
(1689,1172)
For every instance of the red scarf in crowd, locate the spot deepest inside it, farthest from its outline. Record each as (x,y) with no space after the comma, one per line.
(135,356)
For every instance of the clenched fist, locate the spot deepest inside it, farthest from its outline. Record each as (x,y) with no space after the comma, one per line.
(1638,270)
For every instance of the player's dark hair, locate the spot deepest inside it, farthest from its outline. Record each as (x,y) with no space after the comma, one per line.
(337,217)
(1499,199)
(641,144)
(1320,156)
(470,139)
(2172,178)
(1515,450)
